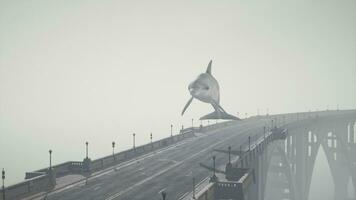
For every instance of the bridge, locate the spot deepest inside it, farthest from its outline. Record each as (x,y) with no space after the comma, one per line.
(262,157)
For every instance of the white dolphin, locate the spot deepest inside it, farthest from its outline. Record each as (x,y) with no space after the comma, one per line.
(206,89)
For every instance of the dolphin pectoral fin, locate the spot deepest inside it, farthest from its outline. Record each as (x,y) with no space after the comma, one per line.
(186,105)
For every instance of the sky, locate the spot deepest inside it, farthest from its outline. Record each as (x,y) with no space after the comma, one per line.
(98,71)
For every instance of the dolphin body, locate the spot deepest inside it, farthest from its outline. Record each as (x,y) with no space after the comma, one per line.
(206,89)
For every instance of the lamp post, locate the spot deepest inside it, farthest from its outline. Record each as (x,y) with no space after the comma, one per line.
(214,176)
(86,149)
(3,184)
(134,147)
(192,122)
(113,149)
(171,130)
(163,195)
(151,140)
(50,159)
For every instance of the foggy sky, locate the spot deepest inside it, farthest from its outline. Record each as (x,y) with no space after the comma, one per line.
(97,71)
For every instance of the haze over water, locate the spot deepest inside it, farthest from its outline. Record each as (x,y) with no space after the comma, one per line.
(97,72)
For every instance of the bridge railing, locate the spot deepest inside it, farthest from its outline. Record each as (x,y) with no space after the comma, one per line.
(28,187)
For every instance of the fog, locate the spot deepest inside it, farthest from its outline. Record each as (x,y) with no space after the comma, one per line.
(98,71)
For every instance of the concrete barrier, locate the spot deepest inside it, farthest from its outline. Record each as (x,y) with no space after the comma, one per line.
(208,193)
(28,187)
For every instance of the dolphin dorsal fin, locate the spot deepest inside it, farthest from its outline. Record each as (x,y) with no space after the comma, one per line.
(208,70)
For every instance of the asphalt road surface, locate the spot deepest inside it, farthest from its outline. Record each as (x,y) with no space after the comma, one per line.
(170,170)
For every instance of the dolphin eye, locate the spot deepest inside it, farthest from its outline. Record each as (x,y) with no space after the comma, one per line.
(206,87)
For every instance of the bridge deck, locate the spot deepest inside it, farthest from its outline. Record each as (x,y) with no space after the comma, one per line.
(170,170)
(167,170)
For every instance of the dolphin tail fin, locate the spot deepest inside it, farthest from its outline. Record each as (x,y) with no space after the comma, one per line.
(208,69)
(219,113)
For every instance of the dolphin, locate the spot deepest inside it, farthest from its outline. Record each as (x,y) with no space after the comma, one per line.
(206,89)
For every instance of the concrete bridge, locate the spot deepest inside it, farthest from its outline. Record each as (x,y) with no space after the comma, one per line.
(280,166)
(266,162)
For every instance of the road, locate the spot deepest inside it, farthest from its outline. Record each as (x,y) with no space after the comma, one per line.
(165,170)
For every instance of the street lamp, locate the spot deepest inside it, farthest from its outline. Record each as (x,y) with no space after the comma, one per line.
(151,140)
(214,178)
(86,149)
(163,195)
(134,140)
(113,149)
(192,122)
(171,130)
(3,184)
(50,159)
